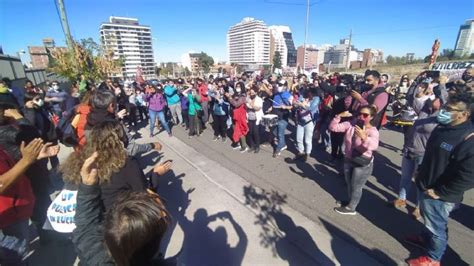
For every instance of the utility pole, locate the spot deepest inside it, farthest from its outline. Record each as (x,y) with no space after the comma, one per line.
(305,35)
(62,16)
(348,63)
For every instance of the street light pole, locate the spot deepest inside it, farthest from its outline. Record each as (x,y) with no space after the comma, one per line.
(305,35)
(64,23)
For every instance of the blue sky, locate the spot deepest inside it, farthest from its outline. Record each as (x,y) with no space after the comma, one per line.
(179,26)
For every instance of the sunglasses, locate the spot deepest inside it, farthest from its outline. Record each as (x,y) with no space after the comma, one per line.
(364,115)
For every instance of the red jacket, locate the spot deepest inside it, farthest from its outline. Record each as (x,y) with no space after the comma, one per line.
(202,89)
(17,202)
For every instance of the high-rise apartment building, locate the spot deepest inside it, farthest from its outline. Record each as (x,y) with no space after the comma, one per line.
(132,42)
(465,41)
(281,40)
(248,43)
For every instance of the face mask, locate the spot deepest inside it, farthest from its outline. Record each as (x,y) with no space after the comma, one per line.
(55,87)
(280,88)
(253,96)
(39,102)
(444,117)
(238,90)
(76,95)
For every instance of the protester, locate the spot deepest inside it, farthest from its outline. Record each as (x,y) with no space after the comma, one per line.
(447,171)
(129,234)
(239,117)
(174,104)
(220,110)
(376,95)
(414,151)
(282,104)
(194,109)
(56,97)
(307,114)
(254,115)
(203,99)
(361,140)
(140,102)
(156,109)
(20,149)
(109,140)
(103,106)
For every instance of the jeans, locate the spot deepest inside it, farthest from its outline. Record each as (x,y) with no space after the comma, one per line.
(305,132)
(279,131)
(175,110)
(205,111)
(14,243)
(161,117)
(356,177)
(409,167)
(254,134)
(435,214)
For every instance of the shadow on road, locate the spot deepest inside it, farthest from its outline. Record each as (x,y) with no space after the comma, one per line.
(201,245)
(280,241)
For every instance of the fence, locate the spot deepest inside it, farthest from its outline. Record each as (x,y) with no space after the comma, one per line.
(12,68)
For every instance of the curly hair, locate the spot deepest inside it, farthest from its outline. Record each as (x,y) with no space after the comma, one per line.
(107,138)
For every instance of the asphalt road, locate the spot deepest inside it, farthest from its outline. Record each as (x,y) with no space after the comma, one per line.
(313,187)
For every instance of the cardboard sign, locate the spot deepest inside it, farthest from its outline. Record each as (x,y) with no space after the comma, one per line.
(62,210)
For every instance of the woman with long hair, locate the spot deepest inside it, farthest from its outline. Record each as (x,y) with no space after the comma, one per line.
(361,140)
(118,172)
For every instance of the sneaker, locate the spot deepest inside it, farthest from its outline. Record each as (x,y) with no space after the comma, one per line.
(190,137)
(236,147)
(216,138)
(251,150)
(244,150)
(276,154)
(399,203)
(416,241)
(416,214)
(257,150)
(345,211)
(170,134)
(283,148)
(423,261)
(342,203)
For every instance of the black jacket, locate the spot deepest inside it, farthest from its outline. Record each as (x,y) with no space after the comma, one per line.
(448,164)
(129,178)
(88,237)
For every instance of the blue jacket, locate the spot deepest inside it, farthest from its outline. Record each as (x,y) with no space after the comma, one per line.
(171,94)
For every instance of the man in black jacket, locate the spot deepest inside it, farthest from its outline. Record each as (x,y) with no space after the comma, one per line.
(447,171)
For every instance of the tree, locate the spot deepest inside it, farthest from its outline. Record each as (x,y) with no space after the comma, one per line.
(85,58)
(277,60)
(205,62)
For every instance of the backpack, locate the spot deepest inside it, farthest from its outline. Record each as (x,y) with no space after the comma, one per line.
(65,131)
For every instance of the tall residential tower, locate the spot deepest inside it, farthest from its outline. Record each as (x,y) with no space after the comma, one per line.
(132,42)
(248,43)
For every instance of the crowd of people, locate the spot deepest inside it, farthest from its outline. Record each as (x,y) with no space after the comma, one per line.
(119,218)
